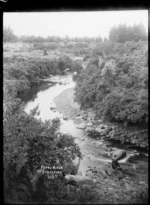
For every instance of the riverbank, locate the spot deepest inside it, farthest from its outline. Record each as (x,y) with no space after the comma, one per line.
(95,127)
(65,104)
(130,187)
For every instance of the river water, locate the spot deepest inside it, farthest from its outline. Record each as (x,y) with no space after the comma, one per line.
(94,151)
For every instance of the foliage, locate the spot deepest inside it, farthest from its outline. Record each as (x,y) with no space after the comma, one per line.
(80,41)
(124,33)
(118,88)
(87,195)
(48,46)
(21,74)
(28,144)
(8,35)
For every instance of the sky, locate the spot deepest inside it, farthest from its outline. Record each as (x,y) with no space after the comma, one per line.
(72,24)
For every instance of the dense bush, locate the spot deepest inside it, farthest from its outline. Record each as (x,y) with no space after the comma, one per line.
(117,88)
(28,144)
(20,73)
(48,46)
(31,39)
(115,50)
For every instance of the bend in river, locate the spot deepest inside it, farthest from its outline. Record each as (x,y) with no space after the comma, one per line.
(93,150)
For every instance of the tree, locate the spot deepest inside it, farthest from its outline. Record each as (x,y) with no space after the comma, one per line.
(28,144)
(8,35)
(117,89)
(124,33)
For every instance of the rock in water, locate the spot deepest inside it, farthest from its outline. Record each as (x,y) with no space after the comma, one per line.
(119,154)
(57,119)
(81,126)
(79,180)
(52,108)
(90,129)
(99,121)
(102,126)
(65,118)
(90,174)
(89,124)
(100,130)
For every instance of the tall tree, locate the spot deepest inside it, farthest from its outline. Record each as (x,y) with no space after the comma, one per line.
(8,35)
(124,33)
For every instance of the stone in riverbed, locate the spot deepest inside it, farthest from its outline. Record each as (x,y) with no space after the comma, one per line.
(65,117)
(80,180)
(99,121)
(79,117)
(90,174)
(100,130)
(94,122)
(102,126)
(57,119)
(141,182)
(94,171)
(81,126)
(89,124)
(112,133)
(90,129)
(84,117)
(52,108)
(143,145)
(106,169)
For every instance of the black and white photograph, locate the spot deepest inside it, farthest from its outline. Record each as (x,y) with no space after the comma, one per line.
(75,107)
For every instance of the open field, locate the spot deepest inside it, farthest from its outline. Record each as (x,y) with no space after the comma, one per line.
(28,50)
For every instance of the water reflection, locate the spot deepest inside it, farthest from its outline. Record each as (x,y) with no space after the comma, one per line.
(44,99)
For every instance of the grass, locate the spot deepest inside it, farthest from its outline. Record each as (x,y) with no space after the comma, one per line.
(28,50)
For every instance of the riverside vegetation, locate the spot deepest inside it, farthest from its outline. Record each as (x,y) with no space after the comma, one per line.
(115,88)
(112,81)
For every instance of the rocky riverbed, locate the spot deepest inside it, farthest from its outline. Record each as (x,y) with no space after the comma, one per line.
(96,127)
(127,186)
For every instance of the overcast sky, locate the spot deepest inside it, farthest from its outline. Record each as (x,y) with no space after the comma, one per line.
(73,24)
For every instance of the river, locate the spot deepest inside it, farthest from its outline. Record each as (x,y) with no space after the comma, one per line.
(93,150)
